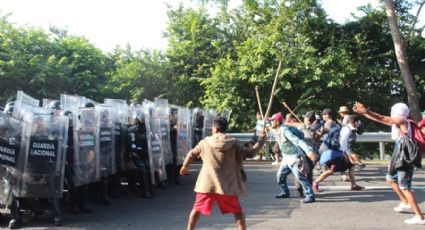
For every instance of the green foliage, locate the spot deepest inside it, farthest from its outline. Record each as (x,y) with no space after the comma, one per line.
(216,60)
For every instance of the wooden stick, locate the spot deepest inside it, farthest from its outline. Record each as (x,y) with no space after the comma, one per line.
(292,112)
(269,107)
(302,102)
(257,93)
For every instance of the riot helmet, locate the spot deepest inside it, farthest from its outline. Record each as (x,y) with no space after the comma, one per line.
(8,109)
(139,120)
(134,104)
(88,104)
(55,104)
(66,113)
(139,117)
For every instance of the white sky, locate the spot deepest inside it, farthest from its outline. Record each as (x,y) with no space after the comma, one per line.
(108,23)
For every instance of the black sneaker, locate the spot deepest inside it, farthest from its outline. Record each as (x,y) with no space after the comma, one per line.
(281,196)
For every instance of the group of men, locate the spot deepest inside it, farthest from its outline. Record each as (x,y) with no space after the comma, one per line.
(88,149)
(222,178)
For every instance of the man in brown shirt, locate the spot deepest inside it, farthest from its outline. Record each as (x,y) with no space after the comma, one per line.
(221,178)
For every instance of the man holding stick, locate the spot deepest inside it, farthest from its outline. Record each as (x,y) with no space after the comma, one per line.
(294,160)
(221,178)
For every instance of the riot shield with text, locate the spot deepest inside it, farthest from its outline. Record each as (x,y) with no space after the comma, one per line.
(209,115)
(120,117)
(42,165)
(10,149)
(164,120)
(184,129)
(86,166)
(105,139)
(153,130)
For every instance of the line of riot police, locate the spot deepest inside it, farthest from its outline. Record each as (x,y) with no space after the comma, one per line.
(89,150)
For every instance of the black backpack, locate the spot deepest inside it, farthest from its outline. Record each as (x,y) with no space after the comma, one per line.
(331,139)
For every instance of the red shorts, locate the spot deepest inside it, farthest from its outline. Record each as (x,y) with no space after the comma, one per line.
(227,204)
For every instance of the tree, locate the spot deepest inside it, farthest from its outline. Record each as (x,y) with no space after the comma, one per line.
(401,54)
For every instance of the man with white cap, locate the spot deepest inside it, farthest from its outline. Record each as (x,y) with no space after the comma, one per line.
(399,178)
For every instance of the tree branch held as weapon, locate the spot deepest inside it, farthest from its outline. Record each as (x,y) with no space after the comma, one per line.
(292,112)
(302,102)
(257,93)
(269,107)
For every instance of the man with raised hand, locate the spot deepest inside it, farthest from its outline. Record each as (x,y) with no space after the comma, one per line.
(399,177)
(221,178)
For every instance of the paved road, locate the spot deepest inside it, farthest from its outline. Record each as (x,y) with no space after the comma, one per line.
(336,208)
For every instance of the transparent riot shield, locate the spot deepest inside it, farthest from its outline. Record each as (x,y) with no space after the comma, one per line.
(71,102)
(164,120)
(209,115)
(10,149)
(23,104)
(120,130)
(105,139)
(42,165)
(86,166)
(184,142)
(153,130)
(226,112)
(197,120)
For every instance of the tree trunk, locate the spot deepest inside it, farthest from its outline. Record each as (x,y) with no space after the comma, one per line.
(401,54)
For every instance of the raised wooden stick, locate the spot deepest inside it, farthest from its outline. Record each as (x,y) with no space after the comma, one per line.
(257,93)
(292,112)
(302,102)
(269,107)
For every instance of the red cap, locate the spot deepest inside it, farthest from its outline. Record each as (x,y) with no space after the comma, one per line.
(277,117)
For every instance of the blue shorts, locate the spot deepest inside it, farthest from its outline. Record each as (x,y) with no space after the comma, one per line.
(403,179)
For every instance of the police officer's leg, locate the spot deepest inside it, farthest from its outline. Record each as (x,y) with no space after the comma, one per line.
(103,190)
(56,210)
(15,212)
(144,181)
(169,168)
(113,185)
(177,175)
(83,197)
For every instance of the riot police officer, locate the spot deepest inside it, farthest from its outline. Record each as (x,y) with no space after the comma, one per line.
(173,140)
(197,126)
(137,146)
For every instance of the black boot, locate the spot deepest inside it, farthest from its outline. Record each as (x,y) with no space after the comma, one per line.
(16,214)
(56,211)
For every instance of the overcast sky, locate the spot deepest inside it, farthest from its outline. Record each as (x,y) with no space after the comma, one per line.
(108,23)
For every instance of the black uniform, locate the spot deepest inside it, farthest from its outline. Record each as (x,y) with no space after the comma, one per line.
(137,146)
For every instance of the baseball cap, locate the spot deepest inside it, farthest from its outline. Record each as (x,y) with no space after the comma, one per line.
(327,111)
(310,115)
(277,117)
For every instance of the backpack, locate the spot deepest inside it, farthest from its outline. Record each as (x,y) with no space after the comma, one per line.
(418,136)
(361,127)
(331,139)
(296,132)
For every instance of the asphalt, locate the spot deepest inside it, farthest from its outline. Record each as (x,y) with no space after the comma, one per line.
(336,208)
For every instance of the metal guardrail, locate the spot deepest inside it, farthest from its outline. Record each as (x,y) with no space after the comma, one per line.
(369,137)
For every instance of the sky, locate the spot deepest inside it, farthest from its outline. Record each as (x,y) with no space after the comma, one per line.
(108,23)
